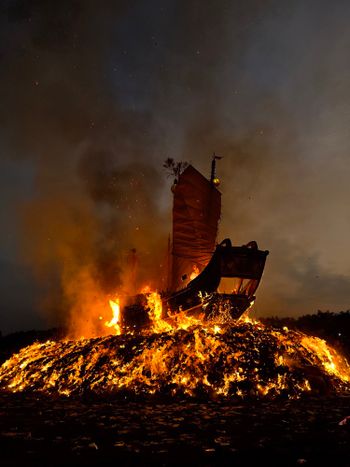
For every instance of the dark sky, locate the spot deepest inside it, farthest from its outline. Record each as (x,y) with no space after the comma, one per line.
(95,95)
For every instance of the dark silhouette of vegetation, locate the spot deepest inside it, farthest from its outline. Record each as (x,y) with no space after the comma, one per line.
(173,168)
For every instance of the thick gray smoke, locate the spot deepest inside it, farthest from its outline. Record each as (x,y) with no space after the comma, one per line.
(95,97)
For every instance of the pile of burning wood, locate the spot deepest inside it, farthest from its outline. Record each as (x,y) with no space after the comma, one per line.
(199,359)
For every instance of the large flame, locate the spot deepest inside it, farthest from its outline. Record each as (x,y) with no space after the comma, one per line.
(115,321)
(181,355)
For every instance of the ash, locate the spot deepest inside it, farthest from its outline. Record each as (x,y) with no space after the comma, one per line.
(94,431)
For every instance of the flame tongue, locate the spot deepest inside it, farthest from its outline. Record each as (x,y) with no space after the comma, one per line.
(245,359)
(115,321)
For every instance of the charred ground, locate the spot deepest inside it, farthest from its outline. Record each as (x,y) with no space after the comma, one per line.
(47,431)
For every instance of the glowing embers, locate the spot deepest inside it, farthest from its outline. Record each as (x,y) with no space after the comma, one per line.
(332,362)
(244,359)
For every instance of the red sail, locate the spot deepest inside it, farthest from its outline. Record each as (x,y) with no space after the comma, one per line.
(196,213)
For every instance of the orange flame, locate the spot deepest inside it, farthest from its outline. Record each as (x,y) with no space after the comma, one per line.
(115,321)
(180,352)
(223,360)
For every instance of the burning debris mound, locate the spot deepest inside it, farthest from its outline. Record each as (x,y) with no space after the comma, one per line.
(211,359)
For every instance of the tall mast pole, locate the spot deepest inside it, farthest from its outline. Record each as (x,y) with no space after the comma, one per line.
(213,178)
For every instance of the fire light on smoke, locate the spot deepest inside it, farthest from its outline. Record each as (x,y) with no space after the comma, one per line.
(181,355)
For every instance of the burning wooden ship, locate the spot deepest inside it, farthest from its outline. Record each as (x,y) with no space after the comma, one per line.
(176,353)
(205,277)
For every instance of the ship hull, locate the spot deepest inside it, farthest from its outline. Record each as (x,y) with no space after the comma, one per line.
(203,295)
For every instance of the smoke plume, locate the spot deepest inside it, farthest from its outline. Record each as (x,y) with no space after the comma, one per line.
(94,98)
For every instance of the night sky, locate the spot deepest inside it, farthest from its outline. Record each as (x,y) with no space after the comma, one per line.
(96,95)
